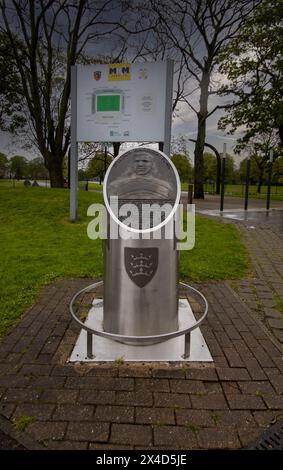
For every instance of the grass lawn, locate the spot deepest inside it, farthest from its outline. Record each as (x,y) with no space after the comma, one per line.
(39,244)
(238,190)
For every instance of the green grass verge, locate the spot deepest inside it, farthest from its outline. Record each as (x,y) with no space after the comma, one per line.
(238,190)
(39,244)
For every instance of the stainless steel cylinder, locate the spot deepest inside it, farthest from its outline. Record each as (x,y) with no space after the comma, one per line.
(141,275)
(134,309)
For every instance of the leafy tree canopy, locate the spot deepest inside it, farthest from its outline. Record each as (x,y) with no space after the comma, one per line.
(253,63)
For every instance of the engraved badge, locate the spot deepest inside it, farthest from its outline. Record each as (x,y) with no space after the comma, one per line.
(141,264)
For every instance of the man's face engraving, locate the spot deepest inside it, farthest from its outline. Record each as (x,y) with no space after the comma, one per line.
(143,164)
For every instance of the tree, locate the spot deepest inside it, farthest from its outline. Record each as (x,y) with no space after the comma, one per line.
(253,63)
(45,39)
(4,165)
(198,31)
(278,170)
(96,166)
(36,169)
(210,168)
(184,167)
(19,166)
(11,116)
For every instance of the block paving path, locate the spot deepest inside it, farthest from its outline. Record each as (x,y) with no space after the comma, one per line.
(221,405)
(263,292)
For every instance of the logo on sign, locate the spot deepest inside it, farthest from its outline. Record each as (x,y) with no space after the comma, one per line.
(118,72)
(141,264)
(97,75)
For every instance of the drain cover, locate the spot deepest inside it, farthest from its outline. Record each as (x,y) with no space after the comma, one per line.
(272,439)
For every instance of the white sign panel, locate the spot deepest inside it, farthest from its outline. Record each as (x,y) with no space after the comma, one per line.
(121,102)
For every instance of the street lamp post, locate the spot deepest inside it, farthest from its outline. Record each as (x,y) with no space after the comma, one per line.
(223,178)
(269,179)
(247,182)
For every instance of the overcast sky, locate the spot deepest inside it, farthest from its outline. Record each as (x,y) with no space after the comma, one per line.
(184,123)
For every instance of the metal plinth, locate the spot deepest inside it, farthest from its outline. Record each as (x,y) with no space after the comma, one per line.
(172,350)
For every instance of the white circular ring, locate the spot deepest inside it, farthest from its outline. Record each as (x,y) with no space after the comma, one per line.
(168,218)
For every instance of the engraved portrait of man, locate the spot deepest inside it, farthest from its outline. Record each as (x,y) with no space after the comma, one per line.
(141,180)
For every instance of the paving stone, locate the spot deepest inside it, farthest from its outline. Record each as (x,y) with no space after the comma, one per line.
(209,402)
(233,418)
(245,402)
(194,417)
(239,325)
(103,371)
(233,357)
(274,402)
(256,388)
(90,432)
(36,369)
(100,383)
(59,396)
(254,369)
(187,386)
(276,379)
(96,446)
(97,397)
(232,332)
(156,416)
(78,412)
(47,430)
(234,374)
(230,387)
(139,398)
(14,381)
(18,395)
(43,383)
(114,414)
(65,445)
(129,371)
(272,313)
(249,339)
(64,371)
(169,436)
(133,434)
(279,362)
(153,385)
(7,409)
(270,348)
(170,373)
(212,387)
(218,439)
(173,400)
(248,435)
(39,411)
(278,334)
(276,323)
(205,373)
(266,418)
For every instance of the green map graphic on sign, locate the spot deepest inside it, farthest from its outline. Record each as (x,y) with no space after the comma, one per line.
(108,103)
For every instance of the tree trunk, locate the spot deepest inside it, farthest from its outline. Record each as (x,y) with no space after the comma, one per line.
(55,168)
(116,148)
(259,182)
(202,116)
(199,169)
(218,164)
(218,174)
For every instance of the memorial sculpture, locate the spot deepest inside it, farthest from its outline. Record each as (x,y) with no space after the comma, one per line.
(141,303)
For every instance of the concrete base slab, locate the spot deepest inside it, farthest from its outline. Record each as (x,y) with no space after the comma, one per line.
(105,350)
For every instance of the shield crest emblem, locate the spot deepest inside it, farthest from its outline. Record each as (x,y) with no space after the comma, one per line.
(141,264)
(97,75)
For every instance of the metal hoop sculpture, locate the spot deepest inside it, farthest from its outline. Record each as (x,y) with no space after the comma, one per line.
(138,339)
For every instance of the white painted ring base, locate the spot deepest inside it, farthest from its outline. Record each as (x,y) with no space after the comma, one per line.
(172,350)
